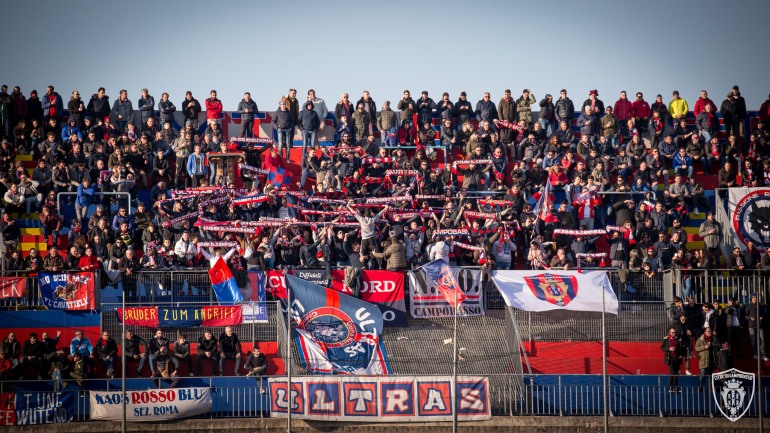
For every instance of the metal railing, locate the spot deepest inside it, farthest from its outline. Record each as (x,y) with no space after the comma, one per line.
(541,395)
(708,285)
(31,298)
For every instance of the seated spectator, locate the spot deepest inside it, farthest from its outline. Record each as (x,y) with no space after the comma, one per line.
(207,350)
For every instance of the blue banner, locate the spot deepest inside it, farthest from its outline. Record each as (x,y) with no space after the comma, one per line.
(337,333)
(33,408)
(67,291)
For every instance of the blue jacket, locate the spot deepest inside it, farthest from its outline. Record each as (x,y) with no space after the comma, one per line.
(47,104)
(678,162)
(308,119)
(82,346)
(591,128)
(120,219)
(85,196)
(67,131)
(192,168)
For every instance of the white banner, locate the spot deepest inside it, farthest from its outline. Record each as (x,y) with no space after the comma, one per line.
(749,217)
(151,405)
(426,300)
(380,399)
(557,290)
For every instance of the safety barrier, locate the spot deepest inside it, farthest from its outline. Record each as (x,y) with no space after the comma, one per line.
(542,395)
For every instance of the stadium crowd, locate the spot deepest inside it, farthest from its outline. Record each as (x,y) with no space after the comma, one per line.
(380,197)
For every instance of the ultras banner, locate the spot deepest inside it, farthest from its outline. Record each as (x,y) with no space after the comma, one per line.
(380,399)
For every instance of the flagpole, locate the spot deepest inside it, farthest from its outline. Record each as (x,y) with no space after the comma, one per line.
(759,368)
(288,349)
(604,360)
(454,370)
(123,365)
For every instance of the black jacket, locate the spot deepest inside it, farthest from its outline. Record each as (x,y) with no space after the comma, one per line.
(229,344)
(133,345)
(107,348)
(207,345)
(156,343)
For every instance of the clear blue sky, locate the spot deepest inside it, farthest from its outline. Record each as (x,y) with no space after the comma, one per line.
(266,47)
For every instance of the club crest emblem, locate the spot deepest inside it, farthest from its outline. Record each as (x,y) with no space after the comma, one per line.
(556,289)
(733,392)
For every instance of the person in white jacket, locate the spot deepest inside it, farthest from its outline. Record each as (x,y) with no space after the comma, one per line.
(212,258)
(439,250)
(184,248)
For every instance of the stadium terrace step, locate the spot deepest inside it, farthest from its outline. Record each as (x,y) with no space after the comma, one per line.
(34,216)
(31,231)
(39,245)
(24,157)
(31,223)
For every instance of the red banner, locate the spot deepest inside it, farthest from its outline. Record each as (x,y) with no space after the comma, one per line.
(13,287)
(220,315)
(7,408)
(139,316)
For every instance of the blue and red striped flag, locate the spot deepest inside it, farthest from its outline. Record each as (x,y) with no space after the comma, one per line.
(224,284)
(279,177)
(444,280)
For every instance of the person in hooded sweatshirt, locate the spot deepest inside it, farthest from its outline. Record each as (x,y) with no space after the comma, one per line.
(308,122)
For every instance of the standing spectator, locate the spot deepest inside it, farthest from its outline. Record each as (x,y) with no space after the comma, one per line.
(677,108)
(76,108)
(283,121)
(370,108)
(593,101)
(52,106)
(387,121)
(136,350)
(213,110)
(642,113)
(106,350)
(309,123)
(166,108)
(361,122)
(707,123)
(197,167)
(624,109)
(588,123)
(711,232)
(755,316)
(146,107)
(99,105)
(18,106)
(485,109)
(229,348)
(207,350)
(122,111)
(445,108)
(191,108)
(424,108)
(565,109)
(674,356)
(406,106)
(34,107)
(524,107)
(292,103)
(707,347)
(463,110)
(343,108)
(702,102)
(319,106)
(547,115)
(247,109)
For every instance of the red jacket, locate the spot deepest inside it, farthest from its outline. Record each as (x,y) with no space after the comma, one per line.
(213,108)
(592,203)
(88,263)
(623,110)
(700,106)
(52,221)
(641,109)
(273,161)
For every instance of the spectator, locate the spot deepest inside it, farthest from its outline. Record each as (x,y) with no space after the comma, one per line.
(207,350)
(675,355)
(229,348)
(157,342)
(136,351)
(707,347)
(52,106)
(256,364)
(106,350)
(122,111)
(191,109)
